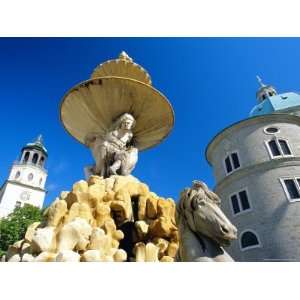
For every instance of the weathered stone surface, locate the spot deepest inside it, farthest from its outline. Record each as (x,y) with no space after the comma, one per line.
(85,221)
(45,257)
(74,234)
(172,249)
(56,212)
(94,179)
(151,208)
(98,239)
(102,213)
(167,259)
(80,186)
(14,250)
(161,227)
(142,229)
(27,258)
(26,248)
(96,194)
(142,207)
(91,256)
(14,258)
(63,195)
(30,231)
(146,253)
(43,240)
(67,256)
(120,255)
(162,244)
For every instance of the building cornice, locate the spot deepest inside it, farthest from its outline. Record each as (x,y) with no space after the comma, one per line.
(263,166)
(25,185)
(228,131)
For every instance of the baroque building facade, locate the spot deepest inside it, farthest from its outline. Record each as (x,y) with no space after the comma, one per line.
(26,180)
(256,164)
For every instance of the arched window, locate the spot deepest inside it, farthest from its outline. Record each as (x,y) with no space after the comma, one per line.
(279,148)
(249,240)
(17,175)
(30,177)
(42,161)
(35,158)
(26,156)
(41,180)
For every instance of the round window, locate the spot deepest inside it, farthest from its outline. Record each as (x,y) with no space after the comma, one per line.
(30,177)
(271,130)
(17,175)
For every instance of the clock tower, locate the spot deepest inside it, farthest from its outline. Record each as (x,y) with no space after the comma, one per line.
(27,178)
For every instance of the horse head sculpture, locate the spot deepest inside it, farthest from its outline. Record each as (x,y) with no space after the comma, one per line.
(202,222)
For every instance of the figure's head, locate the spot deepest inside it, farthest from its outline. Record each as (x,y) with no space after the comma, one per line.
(201,209)
(126,122)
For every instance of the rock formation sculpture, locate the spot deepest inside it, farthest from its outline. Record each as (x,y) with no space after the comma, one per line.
(203,228)
(102,220)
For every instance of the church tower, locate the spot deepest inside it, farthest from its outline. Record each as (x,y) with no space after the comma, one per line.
(27,178)
(256,164)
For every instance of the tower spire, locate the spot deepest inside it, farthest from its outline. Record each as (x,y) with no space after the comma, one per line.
(260,81)
(265,91)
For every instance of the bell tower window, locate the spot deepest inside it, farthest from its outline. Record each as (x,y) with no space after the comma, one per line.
(35,158)
(26,156)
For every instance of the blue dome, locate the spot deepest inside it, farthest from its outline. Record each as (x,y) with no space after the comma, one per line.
(286,102)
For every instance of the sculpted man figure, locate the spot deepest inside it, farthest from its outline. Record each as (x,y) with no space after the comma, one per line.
(115,154)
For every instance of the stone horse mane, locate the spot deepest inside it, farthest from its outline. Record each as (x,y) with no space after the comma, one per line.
(195,246)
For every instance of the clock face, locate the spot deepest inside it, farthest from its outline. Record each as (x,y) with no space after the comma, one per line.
(25,196)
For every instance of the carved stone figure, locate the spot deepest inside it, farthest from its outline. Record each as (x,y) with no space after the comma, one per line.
(203,228)
(115,154)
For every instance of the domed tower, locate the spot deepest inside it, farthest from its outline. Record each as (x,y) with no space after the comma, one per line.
(256,164)
(27,179)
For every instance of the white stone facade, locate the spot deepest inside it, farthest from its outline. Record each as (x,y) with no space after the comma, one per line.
(271,216)
(26,181)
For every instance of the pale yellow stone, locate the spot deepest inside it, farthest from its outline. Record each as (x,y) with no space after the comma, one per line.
(142,229)
(164,208)
(56,212)
(94,179)
(80,186)
(26,248)
(161,227)
(151,208)
(91,256)
(27,258)
(96,194)
(102,213)
(146,253)
(162,244)
(109,183)
(172,249)
(11,251)
(167,259)
(142,207)
(121,181)
(30,231)
(46,257)
(98,239)
(67,256)
(73,234)
(74,197)
(120,255)
(63,195)
(14,258)
(109,196)
(44,240)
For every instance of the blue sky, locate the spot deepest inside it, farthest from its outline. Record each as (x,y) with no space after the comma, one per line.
(210,83)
